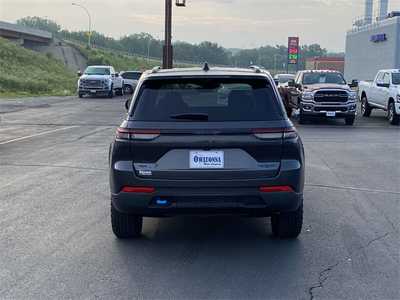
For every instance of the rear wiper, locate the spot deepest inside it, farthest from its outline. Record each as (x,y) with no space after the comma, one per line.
(192,117)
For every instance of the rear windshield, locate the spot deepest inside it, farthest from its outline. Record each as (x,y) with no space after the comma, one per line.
(213,100)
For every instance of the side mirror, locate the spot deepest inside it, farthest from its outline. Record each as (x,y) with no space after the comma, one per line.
(79,73)
(291,83)
(116,74)
(354,83)
(128,103)
(276,82)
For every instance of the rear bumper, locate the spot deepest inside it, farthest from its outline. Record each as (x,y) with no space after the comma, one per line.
(206,201)
(180,197)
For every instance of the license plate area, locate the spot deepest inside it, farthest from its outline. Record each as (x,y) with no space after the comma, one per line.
(330,113)
(206,159)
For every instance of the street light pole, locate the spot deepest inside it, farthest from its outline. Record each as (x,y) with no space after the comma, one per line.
(168,50)
(90,22)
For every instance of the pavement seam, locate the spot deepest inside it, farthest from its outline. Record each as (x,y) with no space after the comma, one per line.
(35,135)
(324,274)
(338,187)
(53,166)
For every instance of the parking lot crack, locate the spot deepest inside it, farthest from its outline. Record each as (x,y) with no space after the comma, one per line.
(323,275)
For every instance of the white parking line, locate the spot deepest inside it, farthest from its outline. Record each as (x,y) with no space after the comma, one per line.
(35,135)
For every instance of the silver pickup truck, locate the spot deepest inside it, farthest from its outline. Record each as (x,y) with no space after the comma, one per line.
(323,94)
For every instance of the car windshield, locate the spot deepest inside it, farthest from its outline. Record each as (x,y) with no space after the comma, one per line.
(318,78)
(97,71)
(285,78)
(396,78)
(131,75)
(213,100)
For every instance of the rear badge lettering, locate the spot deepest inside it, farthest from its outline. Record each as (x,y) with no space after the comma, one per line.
(145,173)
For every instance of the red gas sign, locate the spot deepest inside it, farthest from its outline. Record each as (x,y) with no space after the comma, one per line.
(293,50)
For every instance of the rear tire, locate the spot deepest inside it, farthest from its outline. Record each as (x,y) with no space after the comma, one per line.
(111,93)
(393,118)
(302,118)
(125,226)
(287,225)
(119,92)
(366,109)
(350,120)
(289,112)
(128,89)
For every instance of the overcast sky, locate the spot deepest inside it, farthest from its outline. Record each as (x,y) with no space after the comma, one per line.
(231,23)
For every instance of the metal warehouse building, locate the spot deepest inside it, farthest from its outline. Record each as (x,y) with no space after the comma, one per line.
(373,45)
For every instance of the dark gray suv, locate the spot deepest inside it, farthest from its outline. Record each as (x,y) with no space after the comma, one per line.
(206,141)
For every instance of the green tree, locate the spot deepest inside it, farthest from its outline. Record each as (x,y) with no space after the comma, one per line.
(40,23)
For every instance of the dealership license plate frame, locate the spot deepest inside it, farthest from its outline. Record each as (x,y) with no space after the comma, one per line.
(213,159)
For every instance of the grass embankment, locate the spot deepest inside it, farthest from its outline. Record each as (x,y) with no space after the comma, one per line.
(28,73)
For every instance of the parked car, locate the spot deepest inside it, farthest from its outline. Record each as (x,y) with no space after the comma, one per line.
(382,93)
(187,146)
(321,93)
(131,79)
(282,80)
(100,80)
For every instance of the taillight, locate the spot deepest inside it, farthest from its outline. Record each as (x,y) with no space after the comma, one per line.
(275,133)
(138,189)
(276,189)
(137,134)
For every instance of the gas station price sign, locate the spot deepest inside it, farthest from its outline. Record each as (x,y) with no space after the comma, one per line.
(293,50)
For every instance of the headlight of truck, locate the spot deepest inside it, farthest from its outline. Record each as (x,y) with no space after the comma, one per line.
(307,96)
(352,96)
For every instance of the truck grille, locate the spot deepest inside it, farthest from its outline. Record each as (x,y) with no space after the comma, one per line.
(331,96)
(92,83)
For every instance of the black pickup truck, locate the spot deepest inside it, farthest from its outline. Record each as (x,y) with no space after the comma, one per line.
(321,93)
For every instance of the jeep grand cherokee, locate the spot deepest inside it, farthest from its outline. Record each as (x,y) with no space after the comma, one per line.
(206,141)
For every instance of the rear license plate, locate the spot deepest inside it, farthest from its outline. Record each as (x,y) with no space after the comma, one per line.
(93,91)
(330,113)
(206,159)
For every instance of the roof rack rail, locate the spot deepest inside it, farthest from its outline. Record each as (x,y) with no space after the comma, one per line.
(256,69)
(155,69)
(206,67)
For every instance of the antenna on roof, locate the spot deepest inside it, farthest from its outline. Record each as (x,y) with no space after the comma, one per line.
(155,69)
(206,67)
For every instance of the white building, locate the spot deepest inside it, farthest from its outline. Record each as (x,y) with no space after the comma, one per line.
(373,44)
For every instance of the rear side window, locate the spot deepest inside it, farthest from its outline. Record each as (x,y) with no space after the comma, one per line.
(131,75)
(211,99)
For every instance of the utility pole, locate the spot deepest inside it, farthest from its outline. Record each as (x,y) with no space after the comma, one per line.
(168,51)
(90,22)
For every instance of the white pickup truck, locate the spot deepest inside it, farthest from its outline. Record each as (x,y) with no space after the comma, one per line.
(382,93)
(100,80)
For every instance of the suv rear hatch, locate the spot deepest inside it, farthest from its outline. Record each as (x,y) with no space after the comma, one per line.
(206,129)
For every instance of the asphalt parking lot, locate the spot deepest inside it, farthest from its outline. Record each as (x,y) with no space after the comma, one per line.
(56,240)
